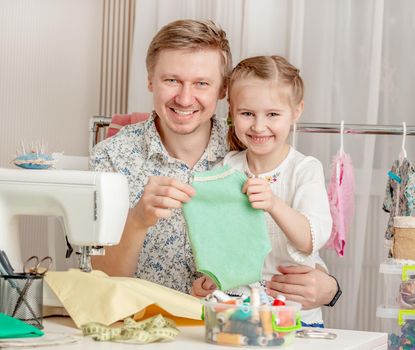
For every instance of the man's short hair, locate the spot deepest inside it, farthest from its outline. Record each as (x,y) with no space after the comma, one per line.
(193,35)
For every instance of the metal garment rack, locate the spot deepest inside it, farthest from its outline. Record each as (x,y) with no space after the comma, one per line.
(97,129)
(98,123)
(368,129)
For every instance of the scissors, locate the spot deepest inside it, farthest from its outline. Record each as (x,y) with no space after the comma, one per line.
(315,334)
(32,267)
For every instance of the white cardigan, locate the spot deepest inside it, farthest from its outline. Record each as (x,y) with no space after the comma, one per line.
(299,182)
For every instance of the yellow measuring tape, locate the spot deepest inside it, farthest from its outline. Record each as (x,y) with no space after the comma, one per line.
(153,329)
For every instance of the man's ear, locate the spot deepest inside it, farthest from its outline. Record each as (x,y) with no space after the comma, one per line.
(222,92)
(149,84)
(298,111)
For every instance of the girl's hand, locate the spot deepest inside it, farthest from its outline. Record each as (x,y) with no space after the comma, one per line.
(202,287)
(259,193)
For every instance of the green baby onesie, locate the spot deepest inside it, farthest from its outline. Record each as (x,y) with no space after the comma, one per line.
(229,238)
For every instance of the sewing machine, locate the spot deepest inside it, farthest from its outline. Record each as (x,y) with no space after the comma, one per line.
(92,205)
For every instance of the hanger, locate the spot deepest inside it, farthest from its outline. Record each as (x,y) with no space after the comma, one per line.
(402,153)
(293,135)
(397,177)
(341,137)
(341,152)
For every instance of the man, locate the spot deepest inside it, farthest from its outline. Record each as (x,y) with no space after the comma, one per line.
(188,63)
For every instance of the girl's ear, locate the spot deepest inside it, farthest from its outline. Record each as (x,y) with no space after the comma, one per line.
(298,111)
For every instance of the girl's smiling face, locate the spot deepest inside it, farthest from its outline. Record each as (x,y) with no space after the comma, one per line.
(262,116)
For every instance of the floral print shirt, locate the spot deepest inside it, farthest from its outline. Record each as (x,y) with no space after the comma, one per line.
(400,193)
(138,152)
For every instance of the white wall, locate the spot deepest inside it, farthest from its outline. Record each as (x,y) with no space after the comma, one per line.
(49,73)
(49,83)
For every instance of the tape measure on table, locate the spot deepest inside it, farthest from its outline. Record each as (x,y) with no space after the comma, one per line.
(153,329)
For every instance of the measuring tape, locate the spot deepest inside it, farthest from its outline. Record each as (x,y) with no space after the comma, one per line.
(156,328)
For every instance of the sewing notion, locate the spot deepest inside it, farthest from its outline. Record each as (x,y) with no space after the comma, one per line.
(151,330)
(33,156)
(250,320)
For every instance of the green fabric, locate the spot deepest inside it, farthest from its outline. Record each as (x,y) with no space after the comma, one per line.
(13,328)
(229,238)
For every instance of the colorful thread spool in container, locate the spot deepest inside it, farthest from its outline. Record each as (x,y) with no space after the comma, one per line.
(251,324)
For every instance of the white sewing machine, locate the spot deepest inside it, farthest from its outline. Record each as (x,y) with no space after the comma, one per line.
(92,205)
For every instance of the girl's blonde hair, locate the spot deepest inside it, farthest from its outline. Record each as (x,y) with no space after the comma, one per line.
(274,68)
(193,35)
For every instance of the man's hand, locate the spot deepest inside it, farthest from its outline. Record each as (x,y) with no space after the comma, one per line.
(202,287)
(161,194)
(310,287)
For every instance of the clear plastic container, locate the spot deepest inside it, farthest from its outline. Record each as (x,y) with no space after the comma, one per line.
(399,285)
(245,325)
(400,326)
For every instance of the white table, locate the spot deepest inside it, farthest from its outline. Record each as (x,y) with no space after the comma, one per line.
(193,338)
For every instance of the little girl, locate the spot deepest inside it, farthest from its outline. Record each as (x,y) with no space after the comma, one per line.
(265,100)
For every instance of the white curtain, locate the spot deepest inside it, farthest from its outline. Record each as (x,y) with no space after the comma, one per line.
(356,58)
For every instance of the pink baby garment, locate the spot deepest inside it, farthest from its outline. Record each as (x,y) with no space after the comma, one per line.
(341,198)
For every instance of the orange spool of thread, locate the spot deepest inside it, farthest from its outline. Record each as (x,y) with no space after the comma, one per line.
(230,339)
(286,318)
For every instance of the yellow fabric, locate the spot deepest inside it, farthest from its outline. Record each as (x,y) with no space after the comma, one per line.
(97,297)
(153,310)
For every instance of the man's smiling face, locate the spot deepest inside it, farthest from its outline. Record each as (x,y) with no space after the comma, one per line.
(186,86)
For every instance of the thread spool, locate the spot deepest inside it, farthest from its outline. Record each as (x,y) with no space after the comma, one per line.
(261,341)
(223,316)
(263,298)
(255,303)
(243,327)
(221,296)
(266,321)
(279,300)
(230,339)
(242,313)
(277,341)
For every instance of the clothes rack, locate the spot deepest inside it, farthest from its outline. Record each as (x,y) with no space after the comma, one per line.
(98,122)
(370,129)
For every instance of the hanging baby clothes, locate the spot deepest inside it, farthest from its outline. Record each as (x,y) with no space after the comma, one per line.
(400,193)
(229,238)
(341,198)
